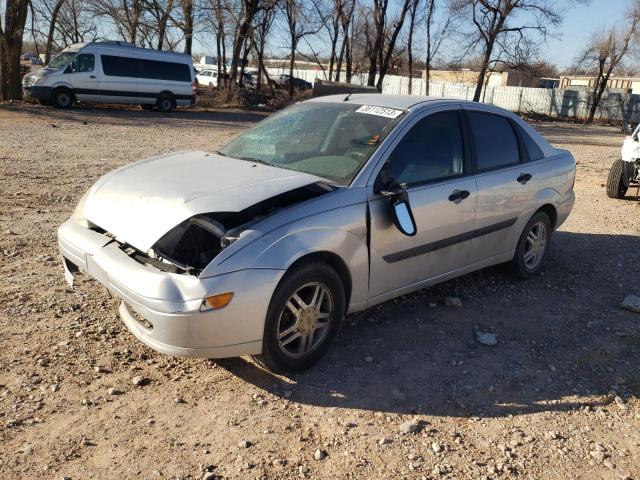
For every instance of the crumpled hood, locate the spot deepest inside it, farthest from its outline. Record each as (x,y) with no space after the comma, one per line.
(139,203)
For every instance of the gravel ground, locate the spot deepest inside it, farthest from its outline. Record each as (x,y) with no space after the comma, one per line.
(407,391)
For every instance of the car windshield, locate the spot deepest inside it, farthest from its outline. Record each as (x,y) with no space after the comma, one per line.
(61,60)
(330,140)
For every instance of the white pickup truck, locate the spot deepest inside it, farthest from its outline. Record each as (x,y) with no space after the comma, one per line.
(625,171)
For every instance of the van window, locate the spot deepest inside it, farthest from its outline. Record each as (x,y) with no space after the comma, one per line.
(139,68)
(83,63)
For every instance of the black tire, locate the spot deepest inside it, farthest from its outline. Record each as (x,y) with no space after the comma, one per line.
(146,106)
(63,98)
(523,264)
(616,182)
(302,280)
(165,103)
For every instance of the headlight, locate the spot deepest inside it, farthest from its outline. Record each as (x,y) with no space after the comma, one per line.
(78,213)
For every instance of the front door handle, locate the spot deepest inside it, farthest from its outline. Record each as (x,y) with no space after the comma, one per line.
(458,195)
(92,76)
(524,178)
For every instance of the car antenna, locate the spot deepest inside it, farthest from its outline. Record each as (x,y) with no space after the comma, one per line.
(346,99)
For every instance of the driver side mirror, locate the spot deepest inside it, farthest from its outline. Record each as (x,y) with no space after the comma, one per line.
(398,201)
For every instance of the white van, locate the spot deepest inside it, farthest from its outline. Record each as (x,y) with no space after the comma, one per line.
(114,72)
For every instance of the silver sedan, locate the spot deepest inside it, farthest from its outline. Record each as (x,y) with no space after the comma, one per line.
(323,209)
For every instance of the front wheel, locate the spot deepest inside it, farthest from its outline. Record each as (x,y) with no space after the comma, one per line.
(533,246)
(616,182)
(303,318)
(63,98)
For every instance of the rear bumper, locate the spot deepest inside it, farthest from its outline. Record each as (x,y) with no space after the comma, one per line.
(564,209)
(162,309)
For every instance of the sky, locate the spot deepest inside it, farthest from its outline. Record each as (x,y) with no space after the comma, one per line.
(579,22)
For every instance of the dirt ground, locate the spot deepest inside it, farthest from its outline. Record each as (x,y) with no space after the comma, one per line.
(406,391)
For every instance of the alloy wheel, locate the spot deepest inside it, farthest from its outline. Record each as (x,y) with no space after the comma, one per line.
(535,246)
(304,320)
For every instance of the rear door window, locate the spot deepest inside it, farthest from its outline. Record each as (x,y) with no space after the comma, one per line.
(533,150)
(495,140)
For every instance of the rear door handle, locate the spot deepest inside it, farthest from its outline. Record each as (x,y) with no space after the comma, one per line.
(524,178)
(458,195)
(92,76)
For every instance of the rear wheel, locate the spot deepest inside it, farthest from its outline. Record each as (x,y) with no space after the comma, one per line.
(533,246)
(616,182)
(303,318)
(63,98)
(165,103)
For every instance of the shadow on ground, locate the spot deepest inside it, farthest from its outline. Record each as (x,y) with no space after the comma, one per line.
(563,342)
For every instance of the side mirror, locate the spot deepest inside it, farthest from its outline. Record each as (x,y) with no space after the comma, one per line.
(403,217)
(398,201)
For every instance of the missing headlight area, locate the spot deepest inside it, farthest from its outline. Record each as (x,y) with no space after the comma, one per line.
(190,246)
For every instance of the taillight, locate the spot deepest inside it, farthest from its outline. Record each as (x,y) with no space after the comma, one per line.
(194,87)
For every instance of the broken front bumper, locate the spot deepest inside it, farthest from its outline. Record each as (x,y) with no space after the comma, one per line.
(163,309)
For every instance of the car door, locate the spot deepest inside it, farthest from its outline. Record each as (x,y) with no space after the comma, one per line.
(431,160)
(506,187)
(83,76)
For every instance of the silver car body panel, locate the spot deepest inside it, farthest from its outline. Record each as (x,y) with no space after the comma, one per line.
(139,203)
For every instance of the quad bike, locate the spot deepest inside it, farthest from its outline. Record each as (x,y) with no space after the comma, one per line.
(625,171)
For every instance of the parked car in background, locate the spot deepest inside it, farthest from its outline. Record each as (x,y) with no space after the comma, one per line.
(328,207)
(27,56)
(114,72)
(207,78)
(35,61)
(298,83)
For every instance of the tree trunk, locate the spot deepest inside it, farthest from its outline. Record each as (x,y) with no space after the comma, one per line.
(187,13)
(414,8)
(292,62)
(52,30)
(486,58)
(384,64)
(11,48)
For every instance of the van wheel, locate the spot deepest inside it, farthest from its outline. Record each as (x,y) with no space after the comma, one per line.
(616,184)
(165,103)
(146,106)
(533,246)
(63,98)
(303,318)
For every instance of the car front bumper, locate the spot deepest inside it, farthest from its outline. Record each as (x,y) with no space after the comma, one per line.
(39,93)
(162,309)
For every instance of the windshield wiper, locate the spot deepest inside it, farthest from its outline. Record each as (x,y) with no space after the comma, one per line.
(256,160)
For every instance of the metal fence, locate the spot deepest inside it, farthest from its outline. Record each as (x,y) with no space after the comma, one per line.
(615,105)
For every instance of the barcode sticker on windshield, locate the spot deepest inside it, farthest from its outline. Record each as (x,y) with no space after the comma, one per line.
(380,111)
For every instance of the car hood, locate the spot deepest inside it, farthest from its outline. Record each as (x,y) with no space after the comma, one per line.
(141,202)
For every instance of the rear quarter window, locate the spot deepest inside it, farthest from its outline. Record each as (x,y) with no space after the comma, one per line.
(533,150)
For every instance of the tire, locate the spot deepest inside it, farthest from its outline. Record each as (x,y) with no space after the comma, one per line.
(533,246)
(63,98)
(616,184)
(146,106)
(282,351)
(211,85)
(165,103)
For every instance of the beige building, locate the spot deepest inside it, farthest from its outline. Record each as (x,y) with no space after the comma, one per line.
(585,81)
(494,79)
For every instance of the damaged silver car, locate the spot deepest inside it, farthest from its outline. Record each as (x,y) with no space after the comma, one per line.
(323,209)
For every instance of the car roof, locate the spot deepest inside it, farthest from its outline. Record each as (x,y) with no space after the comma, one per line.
(403,102)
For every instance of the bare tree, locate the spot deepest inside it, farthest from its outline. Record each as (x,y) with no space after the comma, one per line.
(302,20)
(11,33)
(126,16)
(346,16)
(381,46)
(437,32)
(605,52)
(413,10)
(494,21)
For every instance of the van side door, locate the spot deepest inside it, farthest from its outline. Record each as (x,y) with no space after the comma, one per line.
(119,83)
(84,77)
